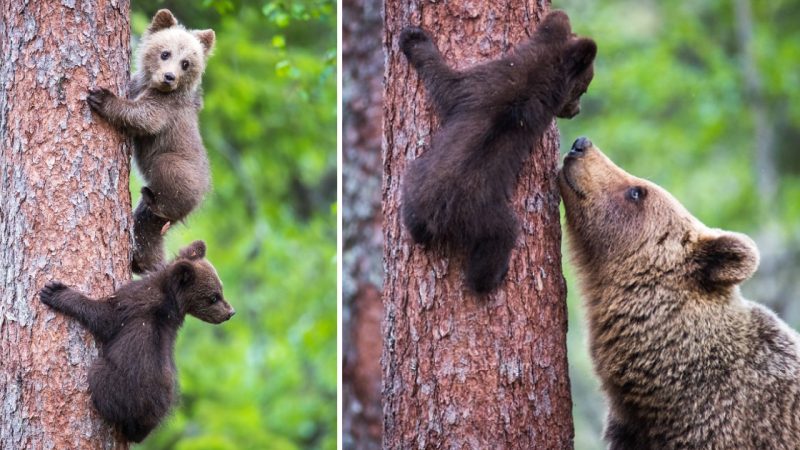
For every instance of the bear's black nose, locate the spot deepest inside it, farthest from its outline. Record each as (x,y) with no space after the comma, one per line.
(169,77)
(580,145)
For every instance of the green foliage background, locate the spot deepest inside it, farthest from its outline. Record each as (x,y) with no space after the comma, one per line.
(266,378)
(669,103)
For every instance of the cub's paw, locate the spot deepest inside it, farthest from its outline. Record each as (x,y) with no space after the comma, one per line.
(49,292)
(148,197)
(98,98)
(411,37)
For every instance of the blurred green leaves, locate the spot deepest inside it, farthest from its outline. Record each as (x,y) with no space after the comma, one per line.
(266,378)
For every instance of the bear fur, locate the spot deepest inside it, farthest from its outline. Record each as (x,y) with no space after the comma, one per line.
(132,383)
(161,116)
(457,194)
(684,360)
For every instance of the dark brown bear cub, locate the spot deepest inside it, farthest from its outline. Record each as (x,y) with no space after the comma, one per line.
(457,194)
(132,383)
(161,116)
(685,361)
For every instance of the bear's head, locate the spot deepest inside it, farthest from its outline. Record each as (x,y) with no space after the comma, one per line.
(197,286)
(630,231)
(574,55)
(172,57)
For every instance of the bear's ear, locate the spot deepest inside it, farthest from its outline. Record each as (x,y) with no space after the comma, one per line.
(555,26)
(207,39)
(183,273)
(162,20)
(725,260)
(580,54)
(195,250)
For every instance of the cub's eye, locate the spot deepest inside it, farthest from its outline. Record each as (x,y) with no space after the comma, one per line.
(636,194)
(184,64)
(165,55)
(215,298)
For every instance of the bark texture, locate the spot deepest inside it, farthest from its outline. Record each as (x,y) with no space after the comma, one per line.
(362,53)
(461,371)
(64,211)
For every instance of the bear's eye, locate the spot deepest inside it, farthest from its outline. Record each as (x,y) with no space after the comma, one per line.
(165,55)
(215,298)
(636,194)
(184,64)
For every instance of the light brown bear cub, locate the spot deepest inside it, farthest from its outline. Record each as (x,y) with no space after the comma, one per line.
(161,116)
(684,360)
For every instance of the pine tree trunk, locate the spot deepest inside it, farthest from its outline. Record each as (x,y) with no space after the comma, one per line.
(64,211)
(461,371)
(362,70)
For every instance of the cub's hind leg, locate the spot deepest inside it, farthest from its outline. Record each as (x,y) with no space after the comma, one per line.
(489,252)
(148,239)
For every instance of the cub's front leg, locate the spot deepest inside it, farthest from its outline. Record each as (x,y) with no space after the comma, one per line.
(140,117)
(96,316)
(441,82)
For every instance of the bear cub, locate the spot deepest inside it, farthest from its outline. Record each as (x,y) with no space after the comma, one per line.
(685,361)
(161,116)
(457,194)
(132,383)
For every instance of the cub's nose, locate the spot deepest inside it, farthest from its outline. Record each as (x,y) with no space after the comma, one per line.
(169,77)
(231,313)
(580,146)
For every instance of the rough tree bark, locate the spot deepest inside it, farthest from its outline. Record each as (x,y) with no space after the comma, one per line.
(461,371)
(64,211)
(362,53)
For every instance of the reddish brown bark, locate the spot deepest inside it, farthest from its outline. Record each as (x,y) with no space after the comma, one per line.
(362,71)
(461,371)
(64,211)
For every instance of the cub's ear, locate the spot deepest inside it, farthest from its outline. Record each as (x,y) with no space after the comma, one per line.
(207,38)
(195,250)
(725,260)
(162,20)
(182,273)
(580,55)
(555,26)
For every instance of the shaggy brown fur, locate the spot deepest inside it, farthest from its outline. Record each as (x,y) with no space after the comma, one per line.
(684,360)
(161,115)
(491,115)
(132,383)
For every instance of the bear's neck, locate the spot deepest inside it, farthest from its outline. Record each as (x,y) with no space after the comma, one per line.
(644,337)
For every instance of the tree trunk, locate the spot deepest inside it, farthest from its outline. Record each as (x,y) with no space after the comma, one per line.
(363,270)
(461,371)
(64,211)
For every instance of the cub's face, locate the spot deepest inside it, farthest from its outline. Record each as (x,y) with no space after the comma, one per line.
(205,298)
(573,56)
(198,286)
(623,226)
(172,57)
(579,67)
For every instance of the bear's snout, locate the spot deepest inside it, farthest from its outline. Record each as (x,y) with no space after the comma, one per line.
(580,146)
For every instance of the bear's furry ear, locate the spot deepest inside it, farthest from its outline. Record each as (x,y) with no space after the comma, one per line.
(162,20)
(580,55)
(725,260)
(195,250)
(555,26)
(207,39)
(183,273)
